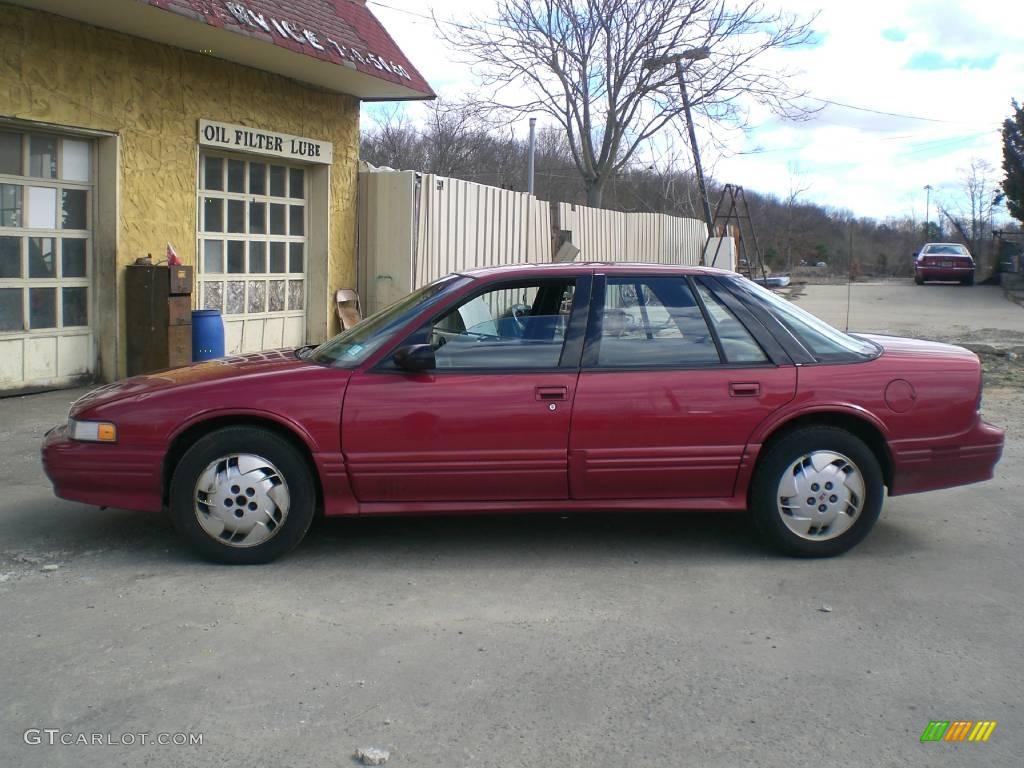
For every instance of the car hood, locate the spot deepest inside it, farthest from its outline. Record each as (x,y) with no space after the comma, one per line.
(898,346)
(197,374)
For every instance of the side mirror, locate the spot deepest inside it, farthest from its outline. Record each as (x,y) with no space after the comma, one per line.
(416,357)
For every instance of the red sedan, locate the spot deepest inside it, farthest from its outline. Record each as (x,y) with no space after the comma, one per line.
(944,261)
(554,388)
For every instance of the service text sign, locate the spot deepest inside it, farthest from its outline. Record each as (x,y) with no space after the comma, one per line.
(242,138)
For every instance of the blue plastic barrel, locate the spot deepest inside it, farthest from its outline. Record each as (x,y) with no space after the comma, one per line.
(207,334)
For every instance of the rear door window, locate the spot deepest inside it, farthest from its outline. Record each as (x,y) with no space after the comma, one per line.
(653,322)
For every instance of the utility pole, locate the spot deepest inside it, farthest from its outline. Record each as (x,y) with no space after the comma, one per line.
(693,54)
(529,156)
(927,209)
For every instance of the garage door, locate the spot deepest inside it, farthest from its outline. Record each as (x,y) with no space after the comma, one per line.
(46,197)
(252,246)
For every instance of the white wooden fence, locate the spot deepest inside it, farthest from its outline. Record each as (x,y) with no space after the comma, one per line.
(615,236)
(415,228)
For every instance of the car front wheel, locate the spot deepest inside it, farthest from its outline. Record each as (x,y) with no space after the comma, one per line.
(242,496)
(817,492)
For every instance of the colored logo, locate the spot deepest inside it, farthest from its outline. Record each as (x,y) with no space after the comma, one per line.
(958,730)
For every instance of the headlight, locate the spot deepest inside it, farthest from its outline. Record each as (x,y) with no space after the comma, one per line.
(92,431)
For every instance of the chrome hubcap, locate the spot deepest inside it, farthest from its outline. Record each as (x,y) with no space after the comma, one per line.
(241,500)
(820,495)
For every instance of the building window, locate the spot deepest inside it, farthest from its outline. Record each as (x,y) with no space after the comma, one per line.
(252,238)
(46,196)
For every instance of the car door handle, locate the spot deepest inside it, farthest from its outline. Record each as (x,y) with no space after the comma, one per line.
(552,393)
(744,389)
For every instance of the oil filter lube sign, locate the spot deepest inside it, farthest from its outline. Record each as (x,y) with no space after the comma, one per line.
(243,138)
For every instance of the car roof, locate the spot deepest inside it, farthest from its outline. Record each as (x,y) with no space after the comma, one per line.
(603,267)
(959,245)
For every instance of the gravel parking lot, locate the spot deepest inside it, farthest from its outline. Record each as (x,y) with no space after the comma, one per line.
(645,639)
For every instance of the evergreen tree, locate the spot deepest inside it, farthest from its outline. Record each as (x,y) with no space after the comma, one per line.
(1013,162)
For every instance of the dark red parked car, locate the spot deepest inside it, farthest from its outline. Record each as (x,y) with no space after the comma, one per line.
(944,261)
(557,388)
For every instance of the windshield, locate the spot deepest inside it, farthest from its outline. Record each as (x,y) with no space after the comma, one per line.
(350,348)
(819,338)
(954,250)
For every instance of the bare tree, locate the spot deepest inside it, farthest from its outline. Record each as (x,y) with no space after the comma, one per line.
(582,63)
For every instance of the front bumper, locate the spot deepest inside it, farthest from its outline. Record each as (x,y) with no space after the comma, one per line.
(928,465)
(102,474)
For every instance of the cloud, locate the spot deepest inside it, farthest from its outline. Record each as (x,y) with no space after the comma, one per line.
(894,35)
(932,60)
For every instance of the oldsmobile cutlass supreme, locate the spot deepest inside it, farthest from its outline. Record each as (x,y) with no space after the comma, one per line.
(552,388)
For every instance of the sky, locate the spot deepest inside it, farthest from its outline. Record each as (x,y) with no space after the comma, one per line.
(911,91)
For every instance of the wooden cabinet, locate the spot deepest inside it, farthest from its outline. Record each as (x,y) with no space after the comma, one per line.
(158,307)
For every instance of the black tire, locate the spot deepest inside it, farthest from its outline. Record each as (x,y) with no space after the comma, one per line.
(918,280)
(291,468)
(968,280)
(764,503)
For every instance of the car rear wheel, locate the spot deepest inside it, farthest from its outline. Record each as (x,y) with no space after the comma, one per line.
(918,280)
(817,492)
(242,496)
(969,280)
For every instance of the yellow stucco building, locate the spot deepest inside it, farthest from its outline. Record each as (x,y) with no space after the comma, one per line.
(230,130)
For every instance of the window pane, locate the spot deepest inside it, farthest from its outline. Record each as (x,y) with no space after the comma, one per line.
(277,257)
(73,211)
(213,175)
(234,304)
(236,256)
(278,176)
(275,296)
(10,153)
(10,257)
(277,219)
(213,214)
(213,257)
(295,257)
(40,257)
(653,322)
(213,295)
(10,205)
(42,307)
(75,160)
(236,216)
(737,343)
(72,257)
(296,293)
(520,326)
(257,296)
(42,207)
(297,214)
(257,218)
(257,258)
(297,183)
(42,160)
(12,316)
(75,306)
(257,179)
(236,176)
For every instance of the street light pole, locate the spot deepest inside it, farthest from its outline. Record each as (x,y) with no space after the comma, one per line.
(927,211)
(693,54)
(530,153)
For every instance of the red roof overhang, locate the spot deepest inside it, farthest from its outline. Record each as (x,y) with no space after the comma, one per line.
(335,44)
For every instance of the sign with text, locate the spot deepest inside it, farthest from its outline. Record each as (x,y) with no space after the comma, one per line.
(242,138)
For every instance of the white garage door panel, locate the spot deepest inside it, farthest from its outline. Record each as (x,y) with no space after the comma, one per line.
(294,332)
(252,336)
(41,358)
(74,354)
(273,333)
(233,337)
(12,363)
